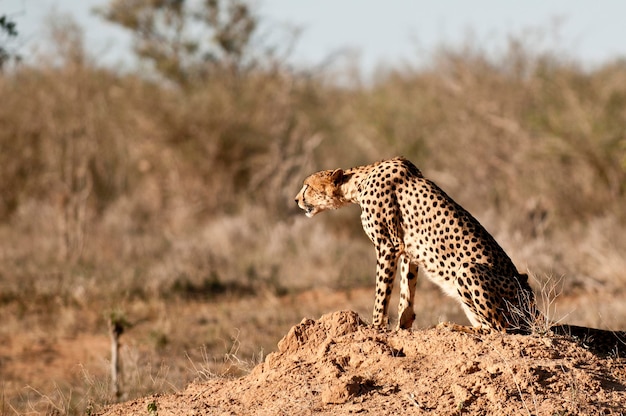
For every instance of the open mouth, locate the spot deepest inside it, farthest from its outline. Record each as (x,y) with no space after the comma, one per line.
(309,210)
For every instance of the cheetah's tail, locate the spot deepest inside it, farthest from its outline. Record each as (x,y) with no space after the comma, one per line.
(598,341)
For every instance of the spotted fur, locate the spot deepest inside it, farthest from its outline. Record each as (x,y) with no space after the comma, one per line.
(413,223)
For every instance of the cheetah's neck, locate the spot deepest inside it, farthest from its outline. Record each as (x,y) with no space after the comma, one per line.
(351,187)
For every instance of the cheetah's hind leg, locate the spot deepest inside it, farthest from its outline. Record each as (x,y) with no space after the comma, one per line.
(408,280)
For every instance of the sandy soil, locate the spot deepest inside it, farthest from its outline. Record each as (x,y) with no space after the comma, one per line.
(337,365)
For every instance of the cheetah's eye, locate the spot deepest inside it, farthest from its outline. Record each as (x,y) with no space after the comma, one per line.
(311,190)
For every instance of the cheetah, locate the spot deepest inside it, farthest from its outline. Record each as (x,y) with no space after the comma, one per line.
(414,224)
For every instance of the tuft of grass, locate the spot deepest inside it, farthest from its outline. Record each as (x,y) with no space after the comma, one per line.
(152,409)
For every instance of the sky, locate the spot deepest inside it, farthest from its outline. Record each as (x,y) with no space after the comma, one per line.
(376,32)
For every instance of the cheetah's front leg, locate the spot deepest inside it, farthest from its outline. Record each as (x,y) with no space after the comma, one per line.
(386,264)
(408,276)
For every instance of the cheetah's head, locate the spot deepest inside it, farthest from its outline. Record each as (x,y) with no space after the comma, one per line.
(321,191)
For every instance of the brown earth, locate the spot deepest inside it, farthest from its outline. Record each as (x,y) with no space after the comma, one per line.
(338,365)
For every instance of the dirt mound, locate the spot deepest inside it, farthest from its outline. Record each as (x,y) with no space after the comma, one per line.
(338,365)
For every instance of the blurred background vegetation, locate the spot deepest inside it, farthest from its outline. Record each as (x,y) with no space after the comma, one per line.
(173,184)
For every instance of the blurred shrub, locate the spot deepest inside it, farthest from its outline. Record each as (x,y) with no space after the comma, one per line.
(8,32)
(102,168)
(187,42)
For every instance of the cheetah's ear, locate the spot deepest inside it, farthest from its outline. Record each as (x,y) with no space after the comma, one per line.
(337,177)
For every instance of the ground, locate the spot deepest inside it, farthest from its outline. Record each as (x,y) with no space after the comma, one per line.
(337,365)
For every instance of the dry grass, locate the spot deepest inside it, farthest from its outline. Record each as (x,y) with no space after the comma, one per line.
(175,206)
